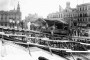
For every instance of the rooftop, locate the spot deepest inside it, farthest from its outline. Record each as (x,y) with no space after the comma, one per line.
(85,4)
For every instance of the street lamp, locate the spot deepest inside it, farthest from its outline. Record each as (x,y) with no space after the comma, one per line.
(17,23)
(10,22)
(22,24)
(13,23)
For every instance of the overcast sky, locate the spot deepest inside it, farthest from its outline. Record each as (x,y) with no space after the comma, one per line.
(41,7)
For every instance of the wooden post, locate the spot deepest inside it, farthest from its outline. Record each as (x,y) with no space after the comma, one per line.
(49,48)
(72,56)
(29,50)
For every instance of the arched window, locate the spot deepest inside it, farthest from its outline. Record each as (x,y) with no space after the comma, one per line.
(85,14)
(78,20)
(83,20)
(86,8)
(61,15)
(86,19)
(80,15)
(83,8)
(80,9)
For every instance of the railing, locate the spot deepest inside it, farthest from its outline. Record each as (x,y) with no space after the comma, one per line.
(81,39)
(53,44)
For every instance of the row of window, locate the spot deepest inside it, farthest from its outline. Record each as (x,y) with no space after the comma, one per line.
(83,15)
(80,24)
(3,16)
(82,8)
(8,17)
(61,16)
(69,15)
(56,16)
(84,20)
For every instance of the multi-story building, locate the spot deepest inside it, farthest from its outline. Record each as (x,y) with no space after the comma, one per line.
(63,14)
(56,16)
(82,20)
(83,11)
(13,16)
(78,18)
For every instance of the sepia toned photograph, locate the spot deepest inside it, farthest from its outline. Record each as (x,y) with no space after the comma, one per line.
(44,29)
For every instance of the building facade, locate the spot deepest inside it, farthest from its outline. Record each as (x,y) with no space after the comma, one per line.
(82,20)
(63,14)
(83,12)
(11,16)
(78,18)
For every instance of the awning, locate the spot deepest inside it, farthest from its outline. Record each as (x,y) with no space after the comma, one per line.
(59,20)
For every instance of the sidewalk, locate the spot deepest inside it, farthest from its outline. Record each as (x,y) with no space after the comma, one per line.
(11,51)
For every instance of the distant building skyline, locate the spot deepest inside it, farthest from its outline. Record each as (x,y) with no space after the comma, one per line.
(10,18)
(40,7)
(63,14)
(14,14)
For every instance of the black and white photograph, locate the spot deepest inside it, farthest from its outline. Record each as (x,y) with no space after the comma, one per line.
(44,29)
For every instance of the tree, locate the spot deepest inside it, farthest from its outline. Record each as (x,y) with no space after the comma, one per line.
(31,18)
